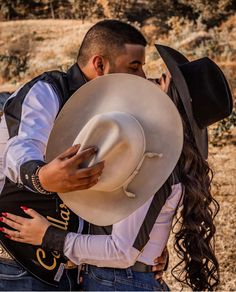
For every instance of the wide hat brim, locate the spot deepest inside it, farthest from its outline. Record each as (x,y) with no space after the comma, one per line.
(173,59)
(163,132)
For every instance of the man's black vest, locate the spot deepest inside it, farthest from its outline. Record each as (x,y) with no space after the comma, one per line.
(42,264)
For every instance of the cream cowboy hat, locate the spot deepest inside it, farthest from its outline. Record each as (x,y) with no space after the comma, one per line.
(139,134)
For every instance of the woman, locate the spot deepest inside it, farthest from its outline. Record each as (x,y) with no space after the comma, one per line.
(190,188)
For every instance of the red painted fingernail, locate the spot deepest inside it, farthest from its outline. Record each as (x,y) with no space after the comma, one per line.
(24,208)
(8,236)
(1,218)
(1,229)
(4,214)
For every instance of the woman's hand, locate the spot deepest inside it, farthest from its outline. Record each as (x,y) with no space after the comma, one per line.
(27,230)
(161,264)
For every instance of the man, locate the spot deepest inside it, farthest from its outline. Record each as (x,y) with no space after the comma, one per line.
(101,53)
(110,46)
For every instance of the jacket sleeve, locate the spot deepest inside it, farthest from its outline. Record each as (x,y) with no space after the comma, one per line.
(36,115)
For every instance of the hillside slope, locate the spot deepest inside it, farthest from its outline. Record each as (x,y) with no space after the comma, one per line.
(27,48)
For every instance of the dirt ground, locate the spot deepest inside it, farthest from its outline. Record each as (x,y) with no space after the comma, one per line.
(44,45)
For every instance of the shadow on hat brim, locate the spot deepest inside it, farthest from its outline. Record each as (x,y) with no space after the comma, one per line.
(173,59)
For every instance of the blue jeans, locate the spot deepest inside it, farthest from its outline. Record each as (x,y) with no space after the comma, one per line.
(15,278)
(109,279)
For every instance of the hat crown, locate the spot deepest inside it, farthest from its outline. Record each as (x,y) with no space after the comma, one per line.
(203,90)
(209,91)
(121,143)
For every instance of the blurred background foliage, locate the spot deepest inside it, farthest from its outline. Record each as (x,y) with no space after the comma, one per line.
(211,12)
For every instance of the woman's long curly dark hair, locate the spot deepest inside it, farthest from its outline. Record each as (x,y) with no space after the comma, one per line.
(198,266)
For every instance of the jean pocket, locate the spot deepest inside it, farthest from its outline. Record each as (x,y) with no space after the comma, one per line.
(103,276)
(10,270)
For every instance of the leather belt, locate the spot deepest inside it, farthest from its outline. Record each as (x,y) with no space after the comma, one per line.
(137,267)
(142,268)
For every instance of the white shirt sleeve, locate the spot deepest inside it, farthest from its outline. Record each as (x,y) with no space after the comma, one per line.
(115,250)
(39,110)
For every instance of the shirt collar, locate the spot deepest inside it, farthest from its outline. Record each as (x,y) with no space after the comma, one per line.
(76,77)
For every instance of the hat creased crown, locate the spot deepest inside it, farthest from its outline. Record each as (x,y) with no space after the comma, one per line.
(121,142)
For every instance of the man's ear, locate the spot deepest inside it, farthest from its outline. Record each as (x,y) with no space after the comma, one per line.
(98,64)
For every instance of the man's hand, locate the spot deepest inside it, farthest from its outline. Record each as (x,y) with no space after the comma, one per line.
(161,263)
(65,173)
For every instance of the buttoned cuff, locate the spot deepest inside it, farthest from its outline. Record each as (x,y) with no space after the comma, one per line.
(27,171)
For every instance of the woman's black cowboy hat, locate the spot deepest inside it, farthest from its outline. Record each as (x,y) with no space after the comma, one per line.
(203,89)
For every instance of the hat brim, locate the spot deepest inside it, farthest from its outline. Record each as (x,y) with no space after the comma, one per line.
(163,132)
(173,59)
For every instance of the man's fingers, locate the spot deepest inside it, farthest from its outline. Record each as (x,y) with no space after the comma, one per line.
(84,155)
(85,178)
(70,152)
(89,180)
(84,186)
(91,171)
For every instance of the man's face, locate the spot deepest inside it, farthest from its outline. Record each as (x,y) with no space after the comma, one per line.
(131,61)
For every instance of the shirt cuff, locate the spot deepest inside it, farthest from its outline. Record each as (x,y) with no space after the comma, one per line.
(27,170)
(54,239)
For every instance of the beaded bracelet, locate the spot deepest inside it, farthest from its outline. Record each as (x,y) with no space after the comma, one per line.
(36,183)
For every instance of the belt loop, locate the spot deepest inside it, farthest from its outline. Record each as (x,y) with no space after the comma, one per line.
(129,273)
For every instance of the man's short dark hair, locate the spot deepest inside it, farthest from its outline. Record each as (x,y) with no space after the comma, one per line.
(108,38)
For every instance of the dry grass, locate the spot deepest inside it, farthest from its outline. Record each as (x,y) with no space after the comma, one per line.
(223,163)
(49,44)
(53,44)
